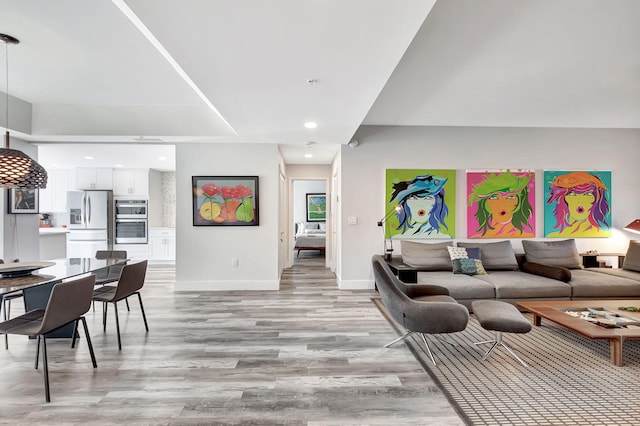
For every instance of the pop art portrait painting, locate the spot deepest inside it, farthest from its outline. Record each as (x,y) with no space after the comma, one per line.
(577,204)
(420,204)
(501,204)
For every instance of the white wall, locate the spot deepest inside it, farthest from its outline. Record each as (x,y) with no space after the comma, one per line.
(300,190)
(204,253)
(461,148)
(20,237)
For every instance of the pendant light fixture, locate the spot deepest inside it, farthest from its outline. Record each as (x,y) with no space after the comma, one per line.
(17,169)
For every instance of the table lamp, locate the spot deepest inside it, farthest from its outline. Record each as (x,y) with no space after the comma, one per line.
(633,226)
(388,251)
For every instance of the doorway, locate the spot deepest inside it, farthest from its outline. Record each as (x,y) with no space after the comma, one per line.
(309,214)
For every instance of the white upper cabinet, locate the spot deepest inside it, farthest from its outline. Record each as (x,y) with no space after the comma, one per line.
(94,178)
(53,198)
(131,182)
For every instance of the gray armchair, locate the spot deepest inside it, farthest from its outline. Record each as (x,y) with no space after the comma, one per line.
(433,313)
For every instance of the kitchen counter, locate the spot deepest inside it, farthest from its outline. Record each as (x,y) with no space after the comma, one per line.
(52,231)
(53,243)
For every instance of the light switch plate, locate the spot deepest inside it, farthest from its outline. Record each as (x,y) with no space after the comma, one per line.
(353,220)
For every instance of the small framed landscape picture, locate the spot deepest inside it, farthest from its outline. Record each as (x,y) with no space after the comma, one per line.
(23,201)
(225,200)
(316,207)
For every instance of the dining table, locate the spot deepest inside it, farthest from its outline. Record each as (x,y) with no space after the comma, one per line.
(36,284)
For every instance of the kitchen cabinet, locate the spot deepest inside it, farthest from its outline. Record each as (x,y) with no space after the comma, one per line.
(131,182)
(162,245)
(53,198)
(94,178)
(134,251)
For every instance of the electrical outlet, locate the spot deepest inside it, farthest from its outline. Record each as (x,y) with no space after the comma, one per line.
(352,220)
(234,262)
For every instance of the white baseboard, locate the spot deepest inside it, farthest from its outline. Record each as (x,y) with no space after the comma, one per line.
(356,285)
(225,285)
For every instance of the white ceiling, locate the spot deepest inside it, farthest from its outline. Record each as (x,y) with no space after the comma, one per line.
(92,75)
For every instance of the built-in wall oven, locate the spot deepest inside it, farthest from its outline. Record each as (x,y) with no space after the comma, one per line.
(131,221)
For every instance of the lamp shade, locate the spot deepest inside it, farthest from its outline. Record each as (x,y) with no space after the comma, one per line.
(633,226)
(18,170)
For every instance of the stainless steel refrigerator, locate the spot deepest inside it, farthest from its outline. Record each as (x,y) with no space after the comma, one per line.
(90,222)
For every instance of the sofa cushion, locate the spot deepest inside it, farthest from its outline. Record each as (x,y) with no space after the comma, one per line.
(426,256)
(556,253)
(460,286)
(593,283)
(495,256)
(514,285)
(466,260)
(632,258)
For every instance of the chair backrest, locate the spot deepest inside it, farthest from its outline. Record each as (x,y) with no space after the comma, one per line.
(415,315)
(68,301)
(131,279)
(393,298)
(111,254)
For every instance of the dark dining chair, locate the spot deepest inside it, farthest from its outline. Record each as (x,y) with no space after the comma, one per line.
(6,307)
(130,282)
(68,303)
(111,273)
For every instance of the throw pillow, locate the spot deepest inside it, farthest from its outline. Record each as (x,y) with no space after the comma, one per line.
(495,256)
(632,258)
(556,253)
(466,261)
(426,256)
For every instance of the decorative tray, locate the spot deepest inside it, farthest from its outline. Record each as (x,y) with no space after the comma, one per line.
(19,269)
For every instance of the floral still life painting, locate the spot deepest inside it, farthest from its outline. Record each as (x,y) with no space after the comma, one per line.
(225,200)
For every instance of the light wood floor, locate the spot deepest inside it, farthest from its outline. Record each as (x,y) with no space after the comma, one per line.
(309,354)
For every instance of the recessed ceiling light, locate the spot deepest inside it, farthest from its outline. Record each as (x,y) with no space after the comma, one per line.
(162,158)
(118,165)
(310,124)
(88,157)
(308,156)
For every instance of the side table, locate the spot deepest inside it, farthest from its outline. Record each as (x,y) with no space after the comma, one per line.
(404,272)
(590,260)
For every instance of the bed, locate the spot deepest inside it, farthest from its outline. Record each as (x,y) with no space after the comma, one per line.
(310,236)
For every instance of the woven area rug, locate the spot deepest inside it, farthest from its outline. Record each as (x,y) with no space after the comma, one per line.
(569,380)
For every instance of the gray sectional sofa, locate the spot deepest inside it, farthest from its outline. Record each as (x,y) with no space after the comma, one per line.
(547,270)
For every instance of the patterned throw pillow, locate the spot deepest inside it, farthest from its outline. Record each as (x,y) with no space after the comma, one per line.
(466,261)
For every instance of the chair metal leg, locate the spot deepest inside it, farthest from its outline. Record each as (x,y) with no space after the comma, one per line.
(104,316)
(7,308)
(144,317)
(404,336)
(37,352)
(86,335)
(45,362)
(115,308)
(428,351)
(499,342)
(75,334)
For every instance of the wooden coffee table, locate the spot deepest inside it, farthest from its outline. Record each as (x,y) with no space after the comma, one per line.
(555,311)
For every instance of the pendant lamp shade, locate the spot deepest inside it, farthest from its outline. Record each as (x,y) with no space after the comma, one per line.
(17,169)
